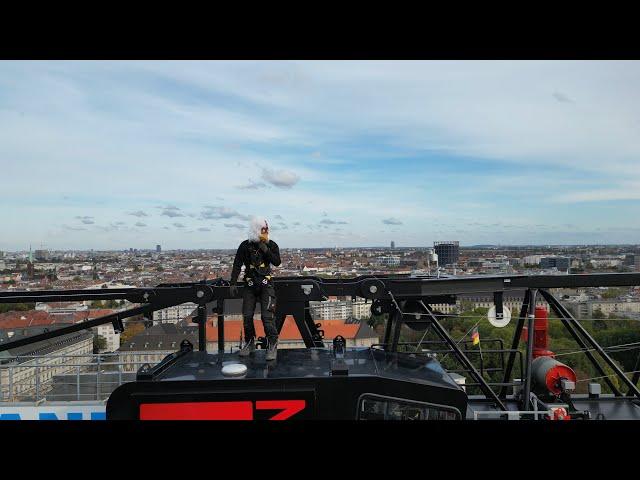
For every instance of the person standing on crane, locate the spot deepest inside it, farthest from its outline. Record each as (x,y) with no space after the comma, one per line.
(257,254)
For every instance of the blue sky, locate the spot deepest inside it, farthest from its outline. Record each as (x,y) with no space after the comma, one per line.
(112,155)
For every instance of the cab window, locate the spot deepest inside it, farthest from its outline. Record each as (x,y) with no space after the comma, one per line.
(378,407)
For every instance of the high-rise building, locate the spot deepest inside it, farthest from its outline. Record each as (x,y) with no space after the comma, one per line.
(158,249)
(393,244)
(448,252)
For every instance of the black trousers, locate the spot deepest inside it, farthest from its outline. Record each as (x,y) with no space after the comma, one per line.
(266,295)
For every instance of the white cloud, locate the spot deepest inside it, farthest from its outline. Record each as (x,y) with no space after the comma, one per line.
(171,211)
(180,130)
(280,178)
(216,213)
(138,213)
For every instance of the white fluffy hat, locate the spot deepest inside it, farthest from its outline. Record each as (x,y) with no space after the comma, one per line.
(255,226)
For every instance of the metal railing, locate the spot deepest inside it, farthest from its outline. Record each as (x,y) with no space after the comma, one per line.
(80,377)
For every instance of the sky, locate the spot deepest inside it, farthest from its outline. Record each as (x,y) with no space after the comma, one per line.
(116,155)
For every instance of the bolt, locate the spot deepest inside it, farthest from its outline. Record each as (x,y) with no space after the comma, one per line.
(373,289)
(200,294)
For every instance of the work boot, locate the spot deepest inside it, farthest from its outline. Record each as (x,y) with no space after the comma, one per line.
(248,348)
(272,351)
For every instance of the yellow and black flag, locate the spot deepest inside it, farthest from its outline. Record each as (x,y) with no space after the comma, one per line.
(475,336)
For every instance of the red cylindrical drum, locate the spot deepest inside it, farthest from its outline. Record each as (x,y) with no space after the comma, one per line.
(547,372)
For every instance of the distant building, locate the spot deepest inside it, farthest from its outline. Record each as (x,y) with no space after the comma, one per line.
(532,259)
(42,255)
(158,249)
(561,263)
(393,244)
(360,310)
(586,308)
(389,261)
(448,252)
(174,314)
(155,343)
(331,310)
(30,270)
(25,378)
(637,263)
(111,337)
(605,262)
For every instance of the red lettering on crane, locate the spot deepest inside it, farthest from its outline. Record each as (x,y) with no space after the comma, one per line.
(197,411)
(240,410)
(289,407)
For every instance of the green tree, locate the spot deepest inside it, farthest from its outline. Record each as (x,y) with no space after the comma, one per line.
(132,327)
(99,343)
(613,292)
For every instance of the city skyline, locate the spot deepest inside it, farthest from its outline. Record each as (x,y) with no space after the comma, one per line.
(112,155)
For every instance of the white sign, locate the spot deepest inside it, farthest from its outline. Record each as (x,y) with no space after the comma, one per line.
(56,412)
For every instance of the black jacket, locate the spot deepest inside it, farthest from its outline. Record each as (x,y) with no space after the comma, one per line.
(250,255)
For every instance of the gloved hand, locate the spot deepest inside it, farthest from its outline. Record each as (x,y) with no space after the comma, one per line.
(233,289)
(263,247)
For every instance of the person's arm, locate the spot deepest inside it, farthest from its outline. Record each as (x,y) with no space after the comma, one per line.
(272,252)
(237,265)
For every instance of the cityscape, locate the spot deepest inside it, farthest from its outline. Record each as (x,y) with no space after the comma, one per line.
(149,340)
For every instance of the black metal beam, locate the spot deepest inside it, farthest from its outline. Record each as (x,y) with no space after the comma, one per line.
(398,320)
(201,320)
(388,328)
(294,288)
(581,343)
(442,333)
(74,328)
(516,342)
(221,339)
(17,296)
(551,300)
(576,280)
(526,401)
(636,373)
(306,326)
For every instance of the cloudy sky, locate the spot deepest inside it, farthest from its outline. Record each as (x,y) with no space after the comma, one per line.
(111,155)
